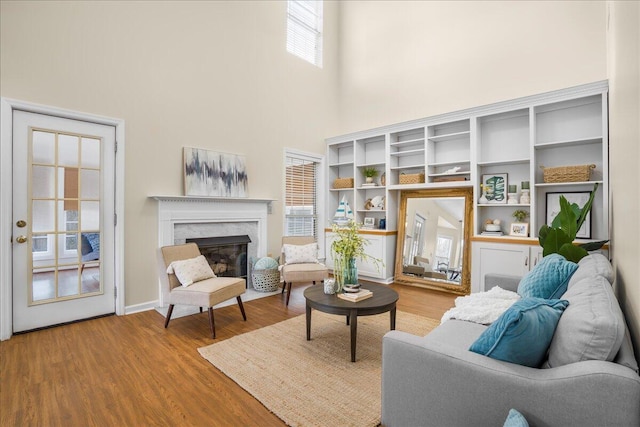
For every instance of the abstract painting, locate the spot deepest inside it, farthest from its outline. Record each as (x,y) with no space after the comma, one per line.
(209,173)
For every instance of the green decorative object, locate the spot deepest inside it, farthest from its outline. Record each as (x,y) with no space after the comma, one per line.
(520,215)
(559,236)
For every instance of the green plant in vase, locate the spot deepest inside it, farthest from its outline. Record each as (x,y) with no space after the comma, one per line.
(559,236)
(347,246)
(370,173)
(520,215)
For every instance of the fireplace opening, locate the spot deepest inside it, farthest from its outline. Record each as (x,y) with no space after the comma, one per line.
(227,255)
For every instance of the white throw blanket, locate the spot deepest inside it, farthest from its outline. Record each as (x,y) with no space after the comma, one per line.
(482,307)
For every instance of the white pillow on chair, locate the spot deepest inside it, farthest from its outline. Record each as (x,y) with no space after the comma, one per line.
(191,270)
(298,254)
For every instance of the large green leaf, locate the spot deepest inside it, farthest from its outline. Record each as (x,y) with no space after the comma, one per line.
(572,252)
(568,218)
(587,207)
(542,234)
(593,246)
(556,237)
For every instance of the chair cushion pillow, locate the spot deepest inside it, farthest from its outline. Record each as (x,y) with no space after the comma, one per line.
(191,270)
(297,254)
(548,279)
(265,263)
(522,334)
(94,241)
(592,327)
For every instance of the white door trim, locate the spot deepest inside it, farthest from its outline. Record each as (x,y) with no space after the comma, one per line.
(7,106)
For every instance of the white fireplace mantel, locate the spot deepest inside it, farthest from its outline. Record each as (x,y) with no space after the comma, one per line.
(174,210)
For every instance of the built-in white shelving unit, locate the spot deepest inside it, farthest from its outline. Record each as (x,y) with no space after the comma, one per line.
(516,138)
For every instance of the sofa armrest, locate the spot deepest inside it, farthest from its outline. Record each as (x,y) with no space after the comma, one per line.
(509,283)
(427,381)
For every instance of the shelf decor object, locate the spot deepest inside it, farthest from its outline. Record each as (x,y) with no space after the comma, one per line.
(579,173)
(520,229)
(494,186)
(343,183)
(411,178)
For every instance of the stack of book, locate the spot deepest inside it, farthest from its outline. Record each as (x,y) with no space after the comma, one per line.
(369,184)
(356,296)
(492,233)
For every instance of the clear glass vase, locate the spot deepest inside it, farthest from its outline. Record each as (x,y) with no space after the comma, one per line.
(346,273)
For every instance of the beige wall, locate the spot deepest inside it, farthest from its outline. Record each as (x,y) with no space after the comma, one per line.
(624,135)
(403,60)
(214,75)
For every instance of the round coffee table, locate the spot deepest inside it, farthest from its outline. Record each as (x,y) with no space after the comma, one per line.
(384,299)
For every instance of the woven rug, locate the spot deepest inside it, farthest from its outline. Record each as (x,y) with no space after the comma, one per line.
(314,383)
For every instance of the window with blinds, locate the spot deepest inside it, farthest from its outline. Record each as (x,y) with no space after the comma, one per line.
(304,30)
(301,198)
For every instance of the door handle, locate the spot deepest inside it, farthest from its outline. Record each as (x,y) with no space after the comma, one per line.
(21,223)
(21,239)
(526,261)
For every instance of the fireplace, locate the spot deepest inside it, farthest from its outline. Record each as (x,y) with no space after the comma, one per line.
(227,255)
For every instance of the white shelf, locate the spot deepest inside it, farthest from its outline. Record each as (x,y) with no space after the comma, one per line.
(559,184)
(451,163)
(568,143)
(505,162)
(341,189)
(364,165)
(373,187)
(451,174)
(407,142)
(504,205)
(417,166)
(341,164)
(449,136)
(407,152)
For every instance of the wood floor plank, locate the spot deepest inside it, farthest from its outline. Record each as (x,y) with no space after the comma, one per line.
(130,370)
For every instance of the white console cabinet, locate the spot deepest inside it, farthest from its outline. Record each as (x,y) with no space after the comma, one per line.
(500,258)
(380,246)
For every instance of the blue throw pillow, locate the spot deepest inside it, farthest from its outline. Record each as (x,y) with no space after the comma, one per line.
(523,333)
(515,419)
(548,279)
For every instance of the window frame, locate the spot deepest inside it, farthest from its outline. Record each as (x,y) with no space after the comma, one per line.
(296,42)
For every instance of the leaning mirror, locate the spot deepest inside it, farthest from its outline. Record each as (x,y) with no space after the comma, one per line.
(434,232)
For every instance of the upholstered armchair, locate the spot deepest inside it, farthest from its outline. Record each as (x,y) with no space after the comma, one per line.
(90,248)
(299,262)
(188,279)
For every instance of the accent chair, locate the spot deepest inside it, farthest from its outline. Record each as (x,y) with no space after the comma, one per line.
(303,269)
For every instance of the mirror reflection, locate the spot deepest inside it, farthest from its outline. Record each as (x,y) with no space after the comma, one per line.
(434,232)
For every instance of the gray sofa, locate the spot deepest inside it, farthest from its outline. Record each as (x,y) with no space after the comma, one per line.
(436,381)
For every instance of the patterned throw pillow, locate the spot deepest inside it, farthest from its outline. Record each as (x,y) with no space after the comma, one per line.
(297,254)
(548,279)
(192,270)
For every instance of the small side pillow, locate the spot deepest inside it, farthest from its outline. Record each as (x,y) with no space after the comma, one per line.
(191,270)
(515,419)
(548,279)
(523,333)
(297,254)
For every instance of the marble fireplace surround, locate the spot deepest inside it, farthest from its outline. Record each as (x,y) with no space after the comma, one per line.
(183,217)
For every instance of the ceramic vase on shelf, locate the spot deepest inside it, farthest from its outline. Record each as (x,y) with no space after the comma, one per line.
(525,199)
(512,198)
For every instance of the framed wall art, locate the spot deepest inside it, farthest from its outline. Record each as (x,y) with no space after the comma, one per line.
(495,187)
(579,198)
(210,173)
(369,222)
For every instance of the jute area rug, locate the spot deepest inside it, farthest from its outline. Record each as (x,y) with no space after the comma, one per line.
(314,383)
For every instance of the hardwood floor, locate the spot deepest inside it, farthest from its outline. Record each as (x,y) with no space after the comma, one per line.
(130,371)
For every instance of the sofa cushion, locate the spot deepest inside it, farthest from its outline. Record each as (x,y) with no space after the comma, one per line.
(523,333)
(590,266)
(548,279)
(592,327)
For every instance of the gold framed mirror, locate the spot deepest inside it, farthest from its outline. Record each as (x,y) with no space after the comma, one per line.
(434,239)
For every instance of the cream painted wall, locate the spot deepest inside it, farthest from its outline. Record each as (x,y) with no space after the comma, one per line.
(624,135)
(214,75)
(403,60)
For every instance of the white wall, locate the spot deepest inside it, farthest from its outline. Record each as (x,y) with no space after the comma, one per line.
(402,60)
(214,75)
(624,136)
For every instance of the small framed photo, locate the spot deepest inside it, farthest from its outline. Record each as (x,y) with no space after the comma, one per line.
(495,187)
(520,229)
(369,222)
(579,198)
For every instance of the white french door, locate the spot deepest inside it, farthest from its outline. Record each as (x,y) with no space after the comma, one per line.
(63,220)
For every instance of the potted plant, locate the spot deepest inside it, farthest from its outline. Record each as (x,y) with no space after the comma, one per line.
(559,236)
(369,173)
(520,215)
(348,245)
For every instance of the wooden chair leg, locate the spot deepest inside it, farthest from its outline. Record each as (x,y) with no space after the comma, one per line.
(284,285)
(244,316)
(211,323)
(288,293)
(169,312)
(200,309)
